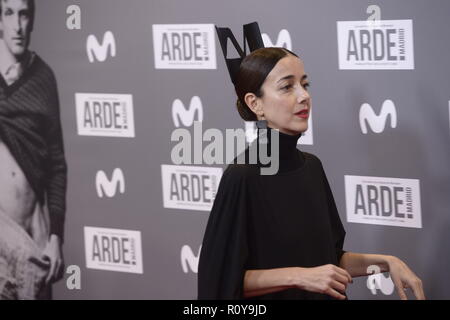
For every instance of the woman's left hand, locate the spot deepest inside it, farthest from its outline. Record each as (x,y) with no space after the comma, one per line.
(404,278)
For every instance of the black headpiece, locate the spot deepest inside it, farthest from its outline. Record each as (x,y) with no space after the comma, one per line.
(252,36)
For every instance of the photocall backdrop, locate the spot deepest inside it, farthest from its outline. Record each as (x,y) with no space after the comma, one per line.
(130,72)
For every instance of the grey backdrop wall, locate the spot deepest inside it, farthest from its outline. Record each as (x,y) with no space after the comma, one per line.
(416,148)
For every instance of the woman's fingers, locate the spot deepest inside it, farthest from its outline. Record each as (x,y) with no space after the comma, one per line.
(417,288)
(341,278)
(338,286)
(344,273)
(404,278)
(331,292)
(400,290)
(327,279)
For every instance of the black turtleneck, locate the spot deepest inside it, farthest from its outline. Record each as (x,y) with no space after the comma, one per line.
(290,158)
(287,219)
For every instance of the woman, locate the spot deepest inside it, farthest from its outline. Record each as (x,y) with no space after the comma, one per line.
(280,236)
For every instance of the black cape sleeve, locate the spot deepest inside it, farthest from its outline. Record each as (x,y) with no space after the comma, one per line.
(338,231)
(224,250)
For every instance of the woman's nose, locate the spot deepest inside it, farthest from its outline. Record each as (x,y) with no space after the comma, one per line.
(303,95)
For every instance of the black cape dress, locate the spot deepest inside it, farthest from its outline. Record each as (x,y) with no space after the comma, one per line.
(259,221)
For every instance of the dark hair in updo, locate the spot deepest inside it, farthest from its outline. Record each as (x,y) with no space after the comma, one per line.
(252,73)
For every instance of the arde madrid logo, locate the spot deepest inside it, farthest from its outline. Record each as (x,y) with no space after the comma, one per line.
(184,46)
(113,249)
(383,201)
(375,45)
(105,115)
(190,187)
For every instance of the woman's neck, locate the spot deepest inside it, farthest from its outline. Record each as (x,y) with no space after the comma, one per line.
(289,156)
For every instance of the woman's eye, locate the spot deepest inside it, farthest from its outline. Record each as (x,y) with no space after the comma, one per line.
(287,87)
(306,85)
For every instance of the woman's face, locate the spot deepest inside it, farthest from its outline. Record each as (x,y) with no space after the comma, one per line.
(286,103)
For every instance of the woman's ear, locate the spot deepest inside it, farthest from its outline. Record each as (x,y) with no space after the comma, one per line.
(254,103)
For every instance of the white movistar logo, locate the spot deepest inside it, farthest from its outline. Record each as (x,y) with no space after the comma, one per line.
(179,112)
(101,51)
(108,187)
(377,122)
(283,40)
(377,280)
(188,258)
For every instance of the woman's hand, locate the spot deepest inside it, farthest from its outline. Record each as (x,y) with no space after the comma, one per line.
(328,279)
(404,278)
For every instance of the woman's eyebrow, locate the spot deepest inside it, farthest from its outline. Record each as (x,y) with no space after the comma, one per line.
(292,76)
